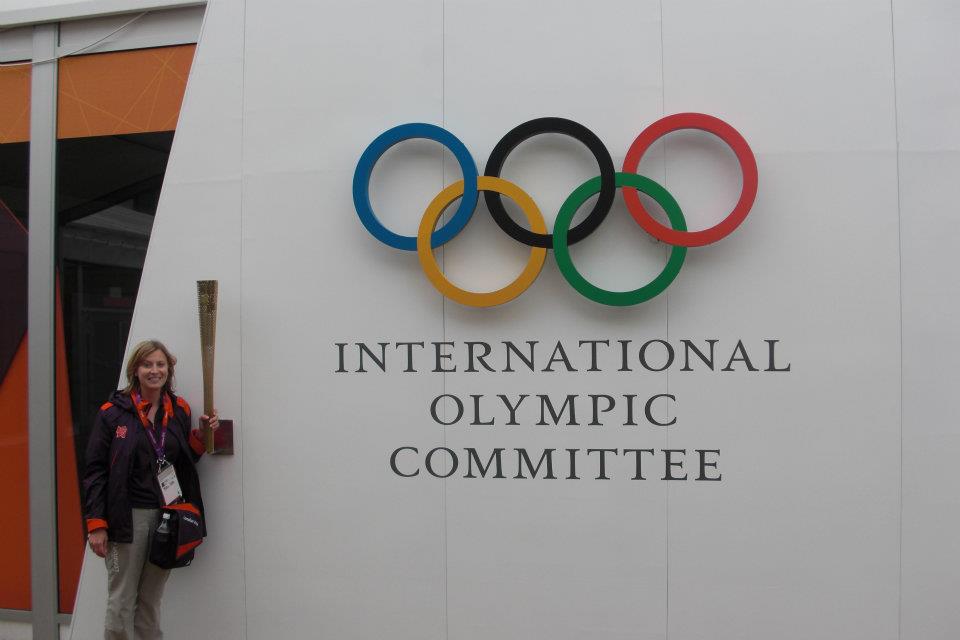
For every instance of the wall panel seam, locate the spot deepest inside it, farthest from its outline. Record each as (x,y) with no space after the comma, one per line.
(896,134)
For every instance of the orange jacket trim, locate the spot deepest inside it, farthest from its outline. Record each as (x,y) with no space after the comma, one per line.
(95,523)
(105,406)
(183,405)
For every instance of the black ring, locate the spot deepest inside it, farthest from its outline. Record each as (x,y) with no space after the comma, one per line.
(576,131)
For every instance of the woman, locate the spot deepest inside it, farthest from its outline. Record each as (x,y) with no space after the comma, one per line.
(140,434)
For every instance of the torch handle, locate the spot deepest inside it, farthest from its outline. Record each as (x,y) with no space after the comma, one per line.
(208,406)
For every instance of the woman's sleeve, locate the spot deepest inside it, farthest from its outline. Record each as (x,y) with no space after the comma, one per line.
(97,473)
(197,446)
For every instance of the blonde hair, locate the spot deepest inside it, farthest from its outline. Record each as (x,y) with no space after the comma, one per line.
(140,353)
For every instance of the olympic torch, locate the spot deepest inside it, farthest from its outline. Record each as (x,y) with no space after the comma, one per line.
(207,304)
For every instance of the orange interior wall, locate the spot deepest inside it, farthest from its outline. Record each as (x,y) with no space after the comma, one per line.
(14,494)
(14,104)
(103,94)
(123,92)
(15,482)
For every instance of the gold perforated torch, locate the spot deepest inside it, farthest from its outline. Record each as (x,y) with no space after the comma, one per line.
(207,304)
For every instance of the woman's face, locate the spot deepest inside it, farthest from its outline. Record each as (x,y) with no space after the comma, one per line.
(152,371)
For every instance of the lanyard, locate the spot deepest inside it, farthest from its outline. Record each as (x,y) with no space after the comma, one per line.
(141,405)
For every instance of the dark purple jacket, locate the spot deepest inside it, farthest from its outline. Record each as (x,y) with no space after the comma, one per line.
(109,454)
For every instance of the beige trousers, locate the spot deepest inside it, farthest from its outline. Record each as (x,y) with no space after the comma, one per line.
(134,584)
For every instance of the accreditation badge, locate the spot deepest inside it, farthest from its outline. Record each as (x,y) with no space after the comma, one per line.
(169,485)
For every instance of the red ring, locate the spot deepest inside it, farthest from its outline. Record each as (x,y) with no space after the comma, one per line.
(719,128)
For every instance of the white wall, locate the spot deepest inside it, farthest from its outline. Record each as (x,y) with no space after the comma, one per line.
(928,93)
(834,518)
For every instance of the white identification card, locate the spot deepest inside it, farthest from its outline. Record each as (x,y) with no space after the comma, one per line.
(169,485)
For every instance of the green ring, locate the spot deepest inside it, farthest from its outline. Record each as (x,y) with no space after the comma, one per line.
(618,298)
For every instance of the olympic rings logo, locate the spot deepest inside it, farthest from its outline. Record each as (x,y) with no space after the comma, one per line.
(536,237)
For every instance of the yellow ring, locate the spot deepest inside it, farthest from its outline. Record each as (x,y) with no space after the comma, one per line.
(432,270)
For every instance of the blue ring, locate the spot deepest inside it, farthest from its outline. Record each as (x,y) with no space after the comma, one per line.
(361,184)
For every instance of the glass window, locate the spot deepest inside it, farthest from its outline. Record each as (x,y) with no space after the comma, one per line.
(116,116)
